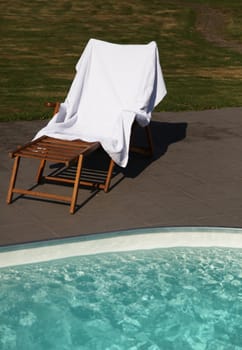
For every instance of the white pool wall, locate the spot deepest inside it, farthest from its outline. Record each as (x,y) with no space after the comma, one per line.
(121,241)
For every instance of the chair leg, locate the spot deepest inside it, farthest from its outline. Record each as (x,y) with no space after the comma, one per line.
(109,175)
(13,179)
(40,170)
(150,140)
(76,184)
(149,149)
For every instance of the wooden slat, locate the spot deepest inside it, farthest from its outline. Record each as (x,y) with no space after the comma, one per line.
(72,181)
(42,194)
(142,151)
(55,149)
(13,153)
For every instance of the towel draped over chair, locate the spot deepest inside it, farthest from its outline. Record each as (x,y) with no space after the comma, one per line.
(113,86)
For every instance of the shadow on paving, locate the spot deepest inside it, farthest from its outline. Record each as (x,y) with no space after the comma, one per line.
(96,165)
(163,134)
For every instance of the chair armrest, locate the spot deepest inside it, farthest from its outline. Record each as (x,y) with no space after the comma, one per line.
(55,105)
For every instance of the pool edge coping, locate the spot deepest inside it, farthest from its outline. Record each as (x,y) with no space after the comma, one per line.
(117,241)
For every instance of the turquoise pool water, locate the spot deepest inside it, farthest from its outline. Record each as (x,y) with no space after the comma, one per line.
(170,298)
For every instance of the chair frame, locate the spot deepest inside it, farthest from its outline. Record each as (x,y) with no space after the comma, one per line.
(67,152)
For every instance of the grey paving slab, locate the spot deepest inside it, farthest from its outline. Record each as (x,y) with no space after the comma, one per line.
(194,179)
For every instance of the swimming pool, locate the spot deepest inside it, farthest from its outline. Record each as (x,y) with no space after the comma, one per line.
(177,288)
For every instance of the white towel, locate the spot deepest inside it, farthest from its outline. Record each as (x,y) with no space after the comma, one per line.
(113,85)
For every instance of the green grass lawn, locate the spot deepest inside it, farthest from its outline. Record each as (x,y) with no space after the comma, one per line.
(42,40)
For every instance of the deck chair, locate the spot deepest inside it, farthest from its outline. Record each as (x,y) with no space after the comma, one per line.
(116,87)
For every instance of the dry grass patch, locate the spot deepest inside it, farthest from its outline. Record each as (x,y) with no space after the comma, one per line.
(214,24)
(221,73)
(213,72)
